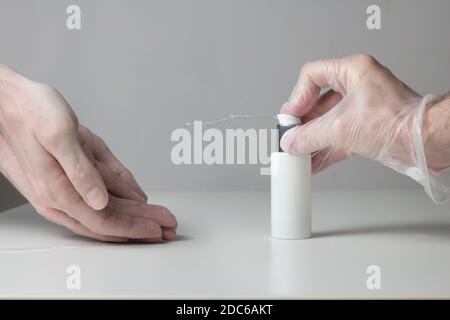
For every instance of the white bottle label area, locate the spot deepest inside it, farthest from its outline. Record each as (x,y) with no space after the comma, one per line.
(290,196)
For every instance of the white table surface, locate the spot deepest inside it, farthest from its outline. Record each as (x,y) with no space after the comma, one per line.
(224,250)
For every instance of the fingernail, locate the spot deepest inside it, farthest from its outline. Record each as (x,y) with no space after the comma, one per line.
(96,199)
(169,234)
(287,140)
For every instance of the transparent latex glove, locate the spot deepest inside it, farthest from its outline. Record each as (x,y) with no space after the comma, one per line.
(68,173)
(369,112)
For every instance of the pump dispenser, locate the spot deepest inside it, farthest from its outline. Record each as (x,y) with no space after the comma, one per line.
(290,189)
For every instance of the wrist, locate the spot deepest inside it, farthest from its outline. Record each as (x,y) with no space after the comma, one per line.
(436,134)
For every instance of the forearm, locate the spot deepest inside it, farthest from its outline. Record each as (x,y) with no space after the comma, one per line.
(436,134)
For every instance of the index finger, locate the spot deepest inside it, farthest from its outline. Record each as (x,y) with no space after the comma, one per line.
(314,76)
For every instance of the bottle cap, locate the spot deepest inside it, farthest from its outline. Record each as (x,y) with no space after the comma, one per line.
(288,120)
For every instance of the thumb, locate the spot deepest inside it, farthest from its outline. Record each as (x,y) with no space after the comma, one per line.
(84,177)
(308,138)
(79,169)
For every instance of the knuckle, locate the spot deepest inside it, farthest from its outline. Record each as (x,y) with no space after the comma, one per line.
(337,125)
(45,212)
(80,173)
(59,129)
(46,89)
(126,172)
(164,210)
(67,117)
(305,68)
(101,144)
(365,60)
(338,129)
(172,220)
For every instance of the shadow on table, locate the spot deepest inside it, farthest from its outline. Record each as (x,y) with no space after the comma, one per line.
(441,230)
(69,235)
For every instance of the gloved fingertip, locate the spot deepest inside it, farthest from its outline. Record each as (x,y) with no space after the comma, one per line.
(288,139)
(286,107)
(292,109)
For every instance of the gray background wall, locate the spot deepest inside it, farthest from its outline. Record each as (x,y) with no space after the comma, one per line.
(139,69)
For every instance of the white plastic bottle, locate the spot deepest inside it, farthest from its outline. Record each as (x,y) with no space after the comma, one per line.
(290,189)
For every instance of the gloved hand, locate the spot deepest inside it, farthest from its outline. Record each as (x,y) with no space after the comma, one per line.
(68,173)
(370,112)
